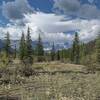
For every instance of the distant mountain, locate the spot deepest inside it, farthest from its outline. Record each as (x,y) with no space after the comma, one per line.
(47,45)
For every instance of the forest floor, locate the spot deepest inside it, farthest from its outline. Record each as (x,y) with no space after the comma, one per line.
(55,81)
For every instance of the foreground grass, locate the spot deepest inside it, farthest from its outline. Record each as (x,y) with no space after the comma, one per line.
(56,81)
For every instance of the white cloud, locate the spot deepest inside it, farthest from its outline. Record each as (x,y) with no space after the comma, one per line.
(76,8)
(54,24)
(14,10)
(52,27)
(46,22)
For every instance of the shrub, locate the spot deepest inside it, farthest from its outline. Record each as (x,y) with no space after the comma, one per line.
(26,71)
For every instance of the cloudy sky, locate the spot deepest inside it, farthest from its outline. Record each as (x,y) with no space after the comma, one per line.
(55,20)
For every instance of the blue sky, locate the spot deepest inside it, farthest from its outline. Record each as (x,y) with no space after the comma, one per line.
(43,5)
(55,20)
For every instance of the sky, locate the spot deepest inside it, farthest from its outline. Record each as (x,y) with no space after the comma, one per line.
(55,20)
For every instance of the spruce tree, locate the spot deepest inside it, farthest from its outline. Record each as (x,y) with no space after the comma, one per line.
(58,55)
(82,50)
(53,52)
(7,46)
(76,50)
(22,48)
(29,49)
(39,49)
(98,49)
(62,54)
(15,52)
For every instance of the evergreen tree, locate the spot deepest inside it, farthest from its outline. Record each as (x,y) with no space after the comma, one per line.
(22,48)
(75,54)
(83,53)
(98,49)
(39,49)
(7,47)
(53,52)
(62,54)
(58,55)
(29,49)
(15,51)
(82,50)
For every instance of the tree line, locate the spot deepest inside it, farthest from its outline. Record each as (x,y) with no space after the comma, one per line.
(26,53)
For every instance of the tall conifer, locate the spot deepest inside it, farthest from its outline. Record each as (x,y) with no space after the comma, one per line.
(39,49)
(7,46)
(29,49)
(58,55)
(53,52)
(76,50)
(22,48)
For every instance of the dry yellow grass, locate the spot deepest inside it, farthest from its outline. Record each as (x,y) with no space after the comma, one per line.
(58,66)
(70,85)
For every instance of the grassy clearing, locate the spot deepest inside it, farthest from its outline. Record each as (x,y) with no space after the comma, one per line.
(57,66)
(70,82)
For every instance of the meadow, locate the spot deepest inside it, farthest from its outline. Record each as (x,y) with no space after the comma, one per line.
(52,81)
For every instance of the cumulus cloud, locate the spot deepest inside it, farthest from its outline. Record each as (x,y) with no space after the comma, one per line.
(75,8)
(50,23)
(54,27)
(15,33)
(14,10)
(89,30)
(51,26)
(69,6)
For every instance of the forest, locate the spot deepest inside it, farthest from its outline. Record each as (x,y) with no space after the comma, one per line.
(78,53)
